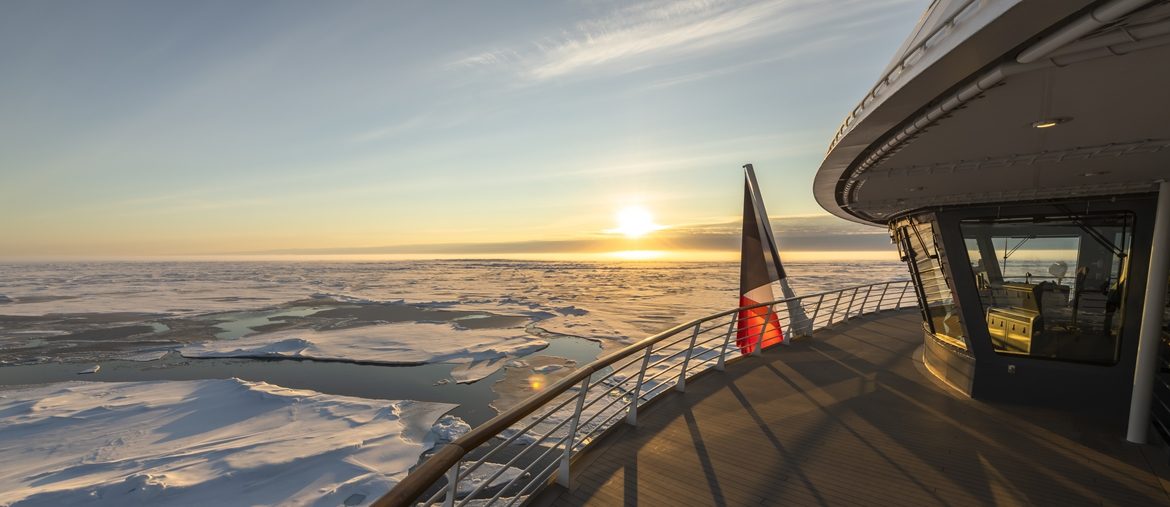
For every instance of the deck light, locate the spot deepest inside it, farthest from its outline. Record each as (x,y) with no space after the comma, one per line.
(1050,122)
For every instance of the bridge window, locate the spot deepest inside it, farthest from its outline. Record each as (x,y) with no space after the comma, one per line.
(1052,286)
(918,247)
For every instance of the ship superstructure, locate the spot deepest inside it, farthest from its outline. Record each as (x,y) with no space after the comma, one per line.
(1017,151)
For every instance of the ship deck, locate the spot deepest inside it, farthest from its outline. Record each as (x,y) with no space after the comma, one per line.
(850,417)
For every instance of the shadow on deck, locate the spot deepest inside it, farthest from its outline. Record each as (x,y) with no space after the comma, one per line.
(851,417)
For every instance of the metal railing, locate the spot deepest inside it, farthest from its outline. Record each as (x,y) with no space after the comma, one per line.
(512,456)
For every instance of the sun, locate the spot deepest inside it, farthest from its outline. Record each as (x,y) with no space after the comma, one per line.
(635,222)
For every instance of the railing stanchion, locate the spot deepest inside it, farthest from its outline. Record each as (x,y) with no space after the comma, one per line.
(681,385)
(812,322)
(902,295)
(836,303)
(786,338)
(727,339)
(882,298)
(849,309)
(864,301)
(563,473)
(763,329)
(632,415)
(452,485)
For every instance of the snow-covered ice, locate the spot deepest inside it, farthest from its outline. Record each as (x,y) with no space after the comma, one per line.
(207,442)
(448,428)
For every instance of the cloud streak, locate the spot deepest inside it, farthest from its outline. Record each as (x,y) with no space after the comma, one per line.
(665,31)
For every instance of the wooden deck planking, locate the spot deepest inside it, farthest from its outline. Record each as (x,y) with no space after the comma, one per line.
(850,417)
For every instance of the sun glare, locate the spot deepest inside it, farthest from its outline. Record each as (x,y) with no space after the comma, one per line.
(635,222)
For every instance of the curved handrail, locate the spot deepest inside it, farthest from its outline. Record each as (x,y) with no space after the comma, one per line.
(446,461)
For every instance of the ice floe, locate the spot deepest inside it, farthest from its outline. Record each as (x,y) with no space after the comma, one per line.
(398,343)
(475,370)
(448,428)
(207,442)
(148,355)
(470,481)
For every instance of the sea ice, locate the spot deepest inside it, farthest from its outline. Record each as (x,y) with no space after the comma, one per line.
(92,369)
(469,481)
(398,343)
(448,428)
(612,303)
(207,442)
(148,355)
(472,370)
(548,368)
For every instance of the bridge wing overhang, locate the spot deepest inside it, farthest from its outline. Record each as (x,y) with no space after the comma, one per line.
(955,118)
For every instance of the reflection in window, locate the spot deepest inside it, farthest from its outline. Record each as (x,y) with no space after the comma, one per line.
(1052,286)
(918,247)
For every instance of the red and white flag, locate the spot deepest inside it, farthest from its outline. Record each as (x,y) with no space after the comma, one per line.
(759,266)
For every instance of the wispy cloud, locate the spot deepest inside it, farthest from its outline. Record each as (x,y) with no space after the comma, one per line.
(665,31)
(790,52)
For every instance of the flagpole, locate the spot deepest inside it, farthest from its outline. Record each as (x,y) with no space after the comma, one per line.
(765,225)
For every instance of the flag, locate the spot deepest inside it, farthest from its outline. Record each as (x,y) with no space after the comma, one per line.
(759,267)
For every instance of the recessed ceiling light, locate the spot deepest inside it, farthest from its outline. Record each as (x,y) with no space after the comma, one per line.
(1050,122)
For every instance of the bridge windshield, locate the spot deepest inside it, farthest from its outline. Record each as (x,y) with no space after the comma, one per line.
(1052,286)
(918,247)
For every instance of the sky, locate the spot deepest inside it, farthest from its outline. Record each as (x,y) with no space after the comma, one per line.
(171,128)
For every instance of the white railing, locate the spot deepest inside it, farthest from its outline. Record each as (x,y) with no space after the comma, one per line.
(515,454)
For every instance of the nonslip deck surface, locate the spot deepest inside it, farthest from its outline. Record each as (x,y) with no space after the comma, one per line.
(849,417)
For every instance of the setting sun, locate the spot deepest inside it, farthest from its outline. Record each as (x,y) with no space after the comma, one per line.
(635,222)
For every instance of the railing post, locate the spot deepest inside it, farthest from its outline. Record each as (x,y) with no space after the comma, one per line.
(786,337)
(836,303)
(563,472)
(864,301)
(905,285)
(632,415)
(452,484)
(882,298)
(681,385)
(719,365)
(763,329)
(852,298)
(812,322)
